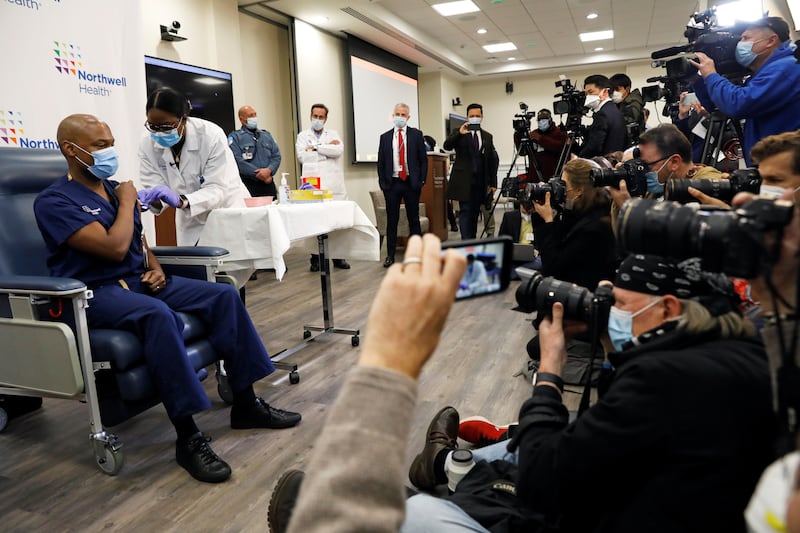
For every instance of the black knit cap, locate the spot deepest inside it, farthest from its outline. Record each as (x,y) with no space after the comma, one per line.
(776,24)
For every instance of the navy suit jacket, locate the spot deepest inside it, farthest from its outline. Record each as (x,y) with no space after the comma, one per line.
(415,154)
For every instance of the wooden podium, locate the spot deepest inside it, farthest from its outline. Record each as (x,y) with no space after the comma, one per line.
(434,194)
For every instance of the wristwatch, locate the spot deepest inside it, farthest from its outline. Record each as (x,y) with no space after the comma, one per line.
(184,201)
(547,377)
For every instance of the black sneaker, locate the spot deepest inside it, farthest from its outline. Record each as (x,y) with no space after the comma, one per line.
(283,499)
(197,457)
(341,263)
(262,415)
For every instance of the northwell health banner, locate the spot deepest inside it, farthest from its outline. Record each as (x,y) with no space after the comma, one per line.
(72,56)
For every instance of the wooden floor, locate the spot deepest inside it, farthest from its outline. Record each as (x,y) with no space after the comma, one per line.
(48,479)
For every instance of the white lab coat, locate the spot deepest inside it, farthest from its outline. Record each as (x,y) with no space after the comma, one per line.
(324,162)
(208,176)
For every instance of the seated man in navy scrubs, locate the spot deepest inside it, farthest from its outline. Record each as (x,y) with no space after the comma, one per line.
(93,232)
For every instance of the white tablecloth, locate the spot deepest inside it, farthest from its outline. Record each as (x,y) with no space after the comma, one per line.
(257,237)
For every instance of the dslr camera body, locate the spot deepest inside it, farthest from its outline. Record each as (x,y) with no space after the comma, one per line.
(633,172)
(524,191)
(539,293)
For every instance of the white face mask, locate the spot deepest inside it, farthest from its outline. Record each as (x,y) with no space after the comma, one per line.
(399,122)
(616,97)
(592,102)
(772,191)
(317,124)
(474,120)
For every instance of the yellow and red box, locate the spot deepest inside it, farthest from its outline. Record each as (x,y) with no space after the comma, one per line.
(314,181)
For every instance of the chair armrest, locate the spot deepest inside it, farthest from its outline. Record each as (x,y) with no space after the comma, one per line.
(190,255)
(41,285)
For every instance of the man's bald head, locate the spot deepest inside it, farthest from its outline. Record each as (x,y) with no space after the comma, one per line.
(79,129)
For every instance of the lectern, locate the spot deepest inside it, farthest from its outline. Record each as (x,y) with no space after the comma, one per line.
(434,194)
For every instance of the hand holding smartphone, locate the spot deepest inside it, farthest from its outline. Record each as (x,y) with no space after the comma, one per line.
(488,265)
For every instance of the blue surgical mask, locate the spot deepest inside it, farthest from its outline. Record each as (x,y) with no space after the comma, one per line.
(317,124)
(166,139)
(252,123)
(474,120)
(544,125)
(620,324)
(399,122)
(653,185)
(744,52)
(771,191)
(106,162)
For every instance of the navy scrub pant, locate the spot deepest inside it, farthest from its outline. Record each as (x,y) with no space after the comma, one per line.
(153,319)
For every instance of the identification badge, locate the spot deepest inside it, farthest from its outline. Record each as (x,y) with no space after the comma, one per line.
(247,156)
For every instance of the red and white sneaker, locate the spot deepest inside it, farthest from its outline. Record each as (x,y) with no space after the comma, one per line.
(477,430)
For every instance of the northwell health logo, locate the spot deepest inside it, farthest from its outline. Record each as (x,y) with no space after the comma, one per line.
(12,132)
(69,61)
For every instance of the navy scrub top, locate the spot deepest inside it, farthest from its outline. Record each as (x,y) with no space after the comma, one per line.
(67,206)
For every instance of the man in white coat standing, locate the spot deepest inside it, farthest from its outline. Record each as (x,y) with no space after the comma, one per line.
(319,151)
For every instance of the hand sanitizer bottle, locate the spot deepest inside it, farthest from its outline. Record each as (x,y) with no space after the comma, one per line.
(283,190)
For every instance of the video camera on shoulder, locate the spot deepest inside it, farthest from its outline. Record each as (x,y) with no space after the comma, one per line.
(740,180)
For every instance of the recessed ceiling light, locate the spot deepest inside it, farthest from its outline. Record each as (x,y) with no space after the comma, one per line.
(499,47)
(512,58)
(591,16)
(449,9)
(481,31)
(598,49)
(596,35)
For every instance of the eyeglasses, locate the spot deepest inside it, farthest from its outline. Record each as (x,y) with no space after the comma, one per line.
(160,128)
(651,163)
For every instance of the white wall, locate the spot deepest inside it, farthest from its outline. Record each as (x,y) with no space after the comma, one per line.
(322,76)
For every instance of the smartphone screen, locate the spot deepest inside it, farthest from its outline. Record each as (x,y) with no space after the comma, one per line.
(690,99)
(473,127)
(488,265)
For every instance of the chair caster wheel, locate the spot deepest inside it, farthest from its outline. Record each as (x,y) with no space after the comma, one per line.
(224,389)
(294,377)
(306,334)
(354,340)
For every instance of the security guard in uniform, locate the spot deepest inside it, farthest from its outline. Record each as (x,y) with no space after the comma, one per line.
(257,154)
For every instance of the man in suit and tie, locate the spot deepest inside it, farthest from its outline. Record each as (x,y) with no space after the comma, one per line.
(402,169)
(607,133)
(474,169)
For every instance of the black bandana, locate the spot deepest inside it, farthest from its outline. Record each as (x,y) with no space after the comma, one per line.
(651,274)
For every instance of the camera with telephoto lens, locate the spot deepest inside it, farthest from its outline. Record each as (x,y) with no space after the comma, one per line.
(728,241)
(537,192)
(522,121)
(540,293)
(741,180)
(633,172)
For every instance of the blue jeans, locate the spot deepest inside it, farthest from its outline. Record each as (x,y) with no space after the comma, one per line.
(426,513)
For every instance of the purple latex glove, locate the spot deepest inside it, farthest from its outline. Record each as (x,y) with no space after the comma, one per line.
(159,192)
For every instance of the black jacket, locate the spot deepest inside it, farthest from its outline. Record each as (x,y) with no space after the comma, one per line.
(676,444)
(606,134)
(458,188)
(632,109)
(581,250)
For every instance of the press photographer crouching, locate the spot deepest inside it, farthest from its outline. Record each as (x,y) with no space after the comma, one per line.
(676,442)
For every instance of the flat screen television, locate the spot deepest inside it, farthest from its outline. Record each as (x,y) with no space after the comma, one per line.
(453,122)
(209,91)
